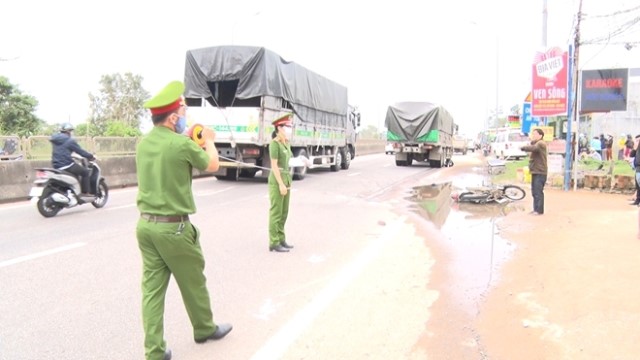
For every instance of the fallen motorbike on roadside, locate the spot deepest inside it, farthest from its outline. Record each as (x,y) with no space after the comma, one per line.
(485,194)
(54,190)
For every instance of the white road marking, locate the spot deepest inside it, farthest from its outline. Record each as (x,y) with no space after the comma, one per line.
(207,193)
(354,174)
(121,207)
(266,310)
(41,254)
(276,347)
(18,206)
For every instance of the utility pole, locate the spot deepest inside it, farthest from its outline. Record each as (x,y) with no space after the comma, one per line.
(544,23)
(573,112)
(544,41)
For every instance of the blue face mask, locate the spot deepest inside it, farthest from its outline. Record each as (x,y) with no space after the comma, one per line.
(181,125)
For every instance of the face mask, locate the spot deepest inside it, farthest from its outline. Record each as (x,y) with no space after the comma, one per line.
(288,131)
(181,125)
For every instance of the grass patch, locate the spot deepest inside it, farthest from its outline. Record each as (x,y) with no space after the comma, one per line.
(511,168)
(620,167)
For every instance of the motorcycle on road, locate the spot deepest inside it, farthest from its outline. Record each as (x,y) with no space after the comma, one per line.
(54,190)
(488,194)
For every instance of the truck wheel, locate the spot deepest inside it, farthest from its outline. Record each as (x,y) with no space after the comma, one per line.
(401,163)
(300,172)
(338,161)
(233,174)
(346,162)
(248,173)
(409,160)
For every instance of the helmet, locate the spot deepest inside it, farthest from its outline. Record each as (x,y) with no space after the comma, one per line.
(66,127)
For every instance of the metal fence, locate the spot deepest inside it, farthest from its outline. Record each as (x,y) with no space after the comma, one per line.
(39,147)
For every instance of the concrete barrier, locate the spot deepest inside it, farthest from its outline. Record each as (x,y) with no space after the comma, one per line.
(17,176)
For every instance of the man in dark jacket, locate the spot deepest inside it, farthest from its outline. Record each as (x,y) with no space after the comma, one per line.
(63,146)
(538,169)
(636,165)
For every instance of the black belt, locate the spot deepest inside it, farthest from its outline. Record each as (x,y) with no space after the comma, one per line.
(165,219)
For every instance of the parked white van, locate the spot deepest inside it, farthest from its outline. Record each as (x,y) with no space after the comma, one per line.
(508,143)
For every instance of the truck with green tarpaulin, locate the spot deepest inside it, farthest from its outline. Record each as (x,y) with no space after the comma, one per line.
(420,131)
(239,90)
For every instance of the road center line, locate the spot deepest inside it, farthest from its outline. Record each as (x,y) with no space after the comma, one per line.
(277,345)
(354,174)
(120,207)
(207,193)
(41,254)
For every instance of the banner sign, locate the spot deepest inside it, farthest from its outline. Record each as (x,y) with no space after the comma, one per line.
(527,119)
(604,90)
(550,88)
(547,130)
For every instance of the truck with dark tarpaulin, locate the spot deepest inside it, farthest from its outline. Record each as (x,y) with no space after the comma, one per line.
(420,131)
(239,90)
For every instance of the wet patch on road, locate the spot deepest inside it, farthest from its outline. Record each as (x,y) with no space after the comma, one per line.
(469,234)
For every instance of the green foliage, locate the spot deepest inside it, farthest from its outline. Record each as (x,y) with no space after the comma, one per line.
(120,99)
(119,128)
(17,111)
(49,129)
(370,132)
(86,130)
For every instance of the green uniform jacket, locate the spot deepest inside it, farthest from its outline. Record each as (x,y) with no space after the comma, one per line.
(164,166)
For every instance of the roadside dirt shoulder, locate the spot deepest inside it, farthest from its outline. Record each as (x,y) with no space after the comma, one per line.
(570,290)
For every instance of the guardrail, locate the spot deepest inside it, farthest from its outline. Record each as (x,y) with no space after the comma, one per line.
(39,147)
(116,154)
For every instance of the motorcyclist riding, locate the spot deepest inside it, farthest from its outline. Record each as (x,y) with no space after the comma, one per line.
(63,146)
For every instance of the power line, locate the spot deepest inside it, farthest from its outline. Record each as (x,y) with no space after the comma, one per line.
(623,28)
(587,16)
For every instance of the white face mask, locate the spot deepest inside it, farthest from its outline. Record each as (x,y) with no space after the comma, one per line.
(288,131)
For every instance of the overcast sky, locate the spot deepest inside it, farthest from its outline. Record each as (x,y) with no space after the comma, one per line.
(384,52)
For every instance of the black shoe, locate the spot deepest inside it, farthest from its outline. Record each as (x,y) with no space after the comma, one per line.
(167,355)
(285,245)
(221,331)
(278,248)
(635,203)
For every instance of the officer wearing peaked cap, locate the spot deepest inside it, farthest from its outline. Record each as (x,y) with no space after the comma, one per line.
(280,179)
(169,243)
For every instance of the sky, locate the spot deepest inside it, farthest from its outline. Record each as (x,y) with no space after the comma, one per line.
(444,52)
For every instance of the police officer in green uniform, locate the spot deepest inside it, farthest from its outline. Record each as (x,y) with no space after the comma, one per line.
(279,183)
(168,241)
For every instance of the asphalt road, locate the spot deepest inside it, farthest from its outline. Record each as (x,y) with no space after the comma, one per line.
(70,285)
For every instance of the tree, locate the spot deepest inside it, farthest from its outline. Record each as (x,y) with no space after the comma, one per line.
(120,99)
(370,132)
(17,111)
(86,129)
(119,128)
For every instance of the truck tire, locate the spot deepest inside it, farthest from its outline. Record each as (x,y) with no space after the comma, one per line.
(248,173)
(300,172)
(233,174)
(338,161)
(401,163)
(346,160)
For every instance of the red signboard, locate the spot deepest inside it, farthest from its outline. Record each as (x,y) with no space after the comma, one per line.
(550,89)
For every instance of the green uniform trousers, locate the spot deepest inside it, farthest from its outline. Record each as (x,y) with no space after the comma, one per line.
(278,211)
(172,248)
